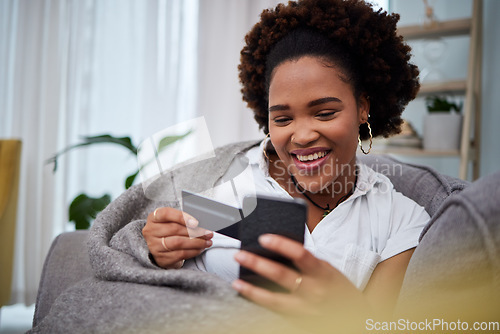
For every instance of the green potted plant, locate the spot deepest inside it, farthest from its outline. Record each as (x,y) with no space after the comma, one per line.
(84,208)
(442,124)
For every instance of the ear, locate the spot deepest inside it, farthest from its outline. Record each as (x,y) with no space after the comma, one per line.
(363,108)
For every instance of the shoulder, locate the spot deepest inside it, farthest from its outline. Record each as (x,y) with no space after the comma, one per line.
(238,147)
(380,192)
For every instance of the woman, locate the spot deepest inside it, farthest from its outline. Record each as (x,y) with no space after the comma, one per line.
(320,76)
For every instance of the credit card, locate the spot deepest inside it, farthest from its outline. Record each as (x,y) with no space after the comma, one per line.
(211,215)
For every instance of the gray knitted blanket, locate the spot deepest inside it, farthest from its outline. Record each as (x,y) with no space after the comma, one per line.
(130,294)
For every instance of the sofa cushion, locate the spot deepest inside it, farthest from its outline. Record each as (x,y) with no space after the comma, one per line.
(455,270)
(423,184)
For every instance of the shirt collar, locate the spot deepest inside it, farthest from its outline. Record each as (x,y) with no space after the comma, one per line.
(367,179)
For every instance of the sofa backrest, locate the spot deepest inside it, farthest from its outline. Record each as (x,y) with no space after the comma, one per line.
(423,184)
(455,270)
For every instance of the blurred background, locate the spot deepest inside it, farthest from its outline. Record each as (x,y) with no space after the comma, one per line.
(74,68)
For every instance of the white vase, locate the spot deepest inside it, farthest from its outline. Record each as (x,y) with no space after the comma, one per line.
(442,131)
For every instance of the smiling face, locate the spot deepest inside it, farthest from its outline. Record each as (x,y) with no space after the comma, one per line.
(314,121)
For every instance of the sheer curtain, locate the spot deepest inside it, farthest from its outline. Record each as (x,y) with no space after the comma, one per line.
(71,68)
(222,29)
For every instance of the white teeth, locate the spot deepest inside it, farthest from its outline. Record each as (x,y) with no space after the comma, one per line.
(311,157)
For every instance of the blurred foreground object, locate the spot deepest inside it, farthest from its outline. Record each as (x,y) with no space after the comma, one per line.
(10,159)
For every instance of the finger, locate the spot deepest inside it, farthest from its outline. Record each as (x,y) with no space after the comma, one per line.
(279,302)
(170,260)
(293,250)
(180,230)
(202,234)
(165,214)
(175,243)
(171,215)
(170,229)
(272,270)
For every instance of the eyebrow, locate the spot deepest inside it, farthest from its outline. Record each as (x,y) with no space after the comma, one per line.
(279,107)
(323,100)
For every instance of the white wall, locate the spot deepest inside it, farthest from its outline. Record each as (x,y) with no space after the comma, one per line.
(453,65)
(223,26)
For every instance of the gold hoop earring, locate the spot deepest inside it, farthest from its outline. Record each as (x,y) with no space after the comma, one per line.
(264,146)
(371,137)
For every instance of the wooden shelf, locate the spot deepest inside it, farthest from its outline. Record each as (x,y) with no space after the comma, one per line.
(410,151)
(456,86)
(470,87)
(438,29)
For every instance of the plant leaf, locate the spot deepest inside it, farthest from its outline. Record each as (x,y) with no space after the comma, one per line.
(84,209)
(130,180)
(108,139)
(164,142)
(169,140)
(125,142)
(436,103)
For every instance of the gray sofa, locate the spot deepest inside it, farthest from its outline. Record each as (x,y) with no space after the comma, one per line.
(453,274)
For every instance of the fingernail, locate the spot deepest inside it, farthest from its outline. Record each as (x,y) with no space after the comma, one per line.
(208,232)
(155,213)
(237,285)
(208,243)
(265,239)
(191,222)
(240,256)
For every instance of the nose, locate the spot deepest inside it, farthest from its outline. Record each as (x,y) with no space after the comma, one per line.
(304,134)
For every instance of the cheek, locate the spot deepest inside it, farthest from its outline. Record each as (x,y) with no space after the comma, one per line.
(280,140)
(342,132)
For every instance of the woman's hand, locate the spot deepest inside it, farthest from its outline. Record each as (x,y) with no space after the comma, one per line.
(318,291)
(174,236)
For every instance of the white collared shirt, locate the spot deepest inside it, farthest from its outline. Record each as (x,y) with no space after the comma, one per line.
(375,223)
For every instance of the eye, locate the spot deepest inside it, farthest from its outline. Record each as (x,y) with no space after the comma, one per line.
(326,114)
(282,120)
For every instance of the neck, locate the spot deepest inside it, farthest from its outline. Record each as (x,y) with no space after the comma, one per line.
(330,196)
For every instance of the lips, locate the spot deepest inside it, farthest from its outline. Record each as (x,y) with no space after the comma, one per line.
(309,159)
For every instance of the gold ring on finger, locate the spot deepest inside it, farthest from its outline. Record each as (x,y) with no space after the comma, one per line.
(297,283)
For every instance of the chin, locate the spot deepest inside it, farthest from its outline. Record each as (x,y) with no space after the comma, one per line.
(320,186)
(318,179)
